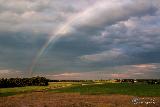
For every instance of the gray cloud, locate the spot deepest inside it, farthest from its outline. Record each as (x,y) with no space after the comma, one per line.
(97,34)
(36,15)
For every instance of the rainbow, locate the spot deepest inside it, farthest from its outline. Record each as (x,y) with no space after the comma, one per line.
(82,18)
(61,31)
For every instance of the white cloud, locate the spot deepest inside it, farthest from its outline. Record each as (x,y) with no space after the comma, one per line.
(67,74)
(6,73)
(38,13)
(108,55)
(146,66)
(109,12)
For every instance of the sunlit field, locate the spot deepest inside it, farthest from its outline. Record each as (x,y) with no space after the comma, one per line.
(19,90)
(82,94)
(88,88)
(114,88)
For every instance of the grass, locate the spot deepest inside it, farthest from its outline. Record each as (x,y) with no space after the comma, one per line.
(76,87)
(19,90)
(16,90)
(114,88)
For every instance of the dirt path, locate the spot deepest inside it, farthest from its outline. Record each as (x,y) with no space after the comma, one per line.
(49,99)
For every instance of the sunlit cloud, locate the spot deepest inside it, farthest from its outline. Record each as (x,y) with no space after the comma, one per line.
(105,55)
(146,66)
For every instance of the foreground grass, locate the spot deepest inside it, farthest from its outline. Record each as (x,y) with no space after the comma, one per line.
(114,88)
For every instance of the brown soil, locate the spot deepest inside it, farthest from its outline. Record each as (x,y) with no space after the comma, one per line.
(49,99)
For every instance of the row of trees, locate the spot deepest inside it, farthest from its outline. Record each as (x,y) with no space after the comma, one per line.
(21,82)
(71,80)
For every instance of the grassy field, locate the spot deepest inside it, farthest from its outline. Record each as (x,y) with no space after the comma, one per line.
(88,88)
(18,90)
(114,88)
(81,94)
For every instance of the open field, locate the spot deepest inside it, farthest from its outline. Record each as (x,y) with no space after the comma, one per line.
(114,88)
(19,90)
(88,88)
(82,94)
(50,99)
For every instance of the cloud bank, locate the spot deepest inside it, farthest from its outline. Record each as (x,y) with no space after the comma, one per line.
(95,36)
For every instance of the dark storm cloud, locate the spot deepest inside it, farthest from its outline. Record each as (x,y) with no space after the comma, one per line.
(18,49)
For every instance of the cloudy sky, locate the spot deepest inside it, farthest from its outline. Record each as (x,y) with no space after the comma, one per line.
(80,39)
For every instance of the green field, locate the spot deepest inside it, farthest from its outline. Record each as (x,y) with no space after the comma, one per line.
(114,88)
(89,88)
(19,90)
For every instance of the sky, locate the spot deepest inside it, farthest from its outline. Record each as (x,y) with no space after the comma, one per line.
(80,39)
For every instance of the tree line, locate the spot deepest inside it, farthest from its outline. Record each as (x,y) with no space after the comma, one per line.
(148,81)
(71,80)
(21,82)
